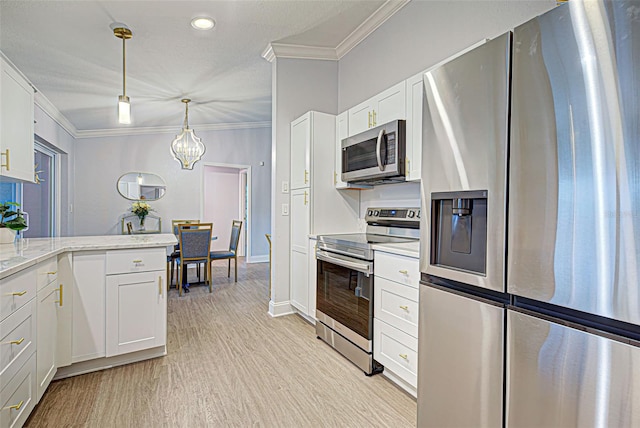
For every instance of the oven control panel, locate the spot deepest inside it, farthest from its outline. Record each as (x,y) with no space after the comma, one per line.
(395,214)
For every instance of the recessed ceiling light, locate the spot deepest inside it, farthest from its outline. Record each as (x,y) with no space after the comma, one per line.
(203,23)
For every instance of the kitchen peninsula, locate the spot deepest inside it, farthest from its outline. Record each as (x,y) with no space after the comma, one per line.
(74,305)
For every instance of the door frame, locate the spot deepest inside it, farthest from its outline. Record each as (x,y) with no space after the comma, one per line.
(246,227)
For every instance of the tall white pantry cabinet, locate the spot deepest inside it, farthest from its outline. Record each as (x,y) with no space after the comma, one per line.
(316,206)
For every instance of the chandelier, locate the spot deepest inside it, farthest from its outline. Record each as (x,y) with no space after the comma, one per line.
(186,147)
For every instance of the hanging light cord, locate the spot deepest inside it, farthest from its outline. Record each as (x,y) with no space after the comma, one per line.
(186,115)
(124,68)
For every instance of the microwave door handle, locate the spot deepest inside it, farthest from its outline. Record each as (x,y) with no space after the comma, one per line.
(378,147)
(364,267)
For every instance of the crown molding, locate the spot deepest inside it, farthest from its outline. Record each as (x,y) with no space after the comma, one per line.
(380,16)
(50,110)
(120,132)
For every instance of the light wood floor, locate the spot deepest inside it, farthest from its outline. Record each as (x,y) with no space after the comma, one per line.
(230,364)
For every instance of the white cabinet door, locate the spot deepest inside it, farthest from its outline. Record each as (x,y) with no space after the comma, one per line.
(16,125)
(48,300)
(89,269)
(415,91)
(360,117)
(313,269)
(301,152)
(342,131)
(299,281)
(136,316)
(65,310)
(300,220)
(390,105)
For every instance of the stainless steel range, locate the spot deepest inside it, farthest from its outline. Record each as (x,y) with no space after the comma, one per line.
(344,305)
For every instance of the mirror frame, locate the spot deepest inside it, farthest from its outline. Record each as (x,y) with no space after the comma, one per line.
(160,190)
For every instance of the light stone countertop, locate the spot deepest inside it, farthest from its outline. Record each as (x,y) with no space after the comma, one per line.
(29,251)
(409,249)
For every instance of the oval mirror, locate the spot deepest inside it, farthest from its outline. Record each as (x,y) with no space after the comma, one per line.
(141,186)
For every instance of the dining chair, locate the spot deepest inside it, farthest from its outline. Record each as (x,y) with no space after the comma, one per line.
(236,226)
(195,242)
(171,258)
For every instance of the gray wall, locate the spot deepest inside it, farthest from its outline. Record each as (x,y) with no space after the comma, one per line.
(53,135)
(298,86)
(422,34)
(101,161)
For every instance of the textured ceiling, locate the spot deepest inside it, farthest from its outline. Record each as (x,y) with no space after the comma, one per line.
(70,54)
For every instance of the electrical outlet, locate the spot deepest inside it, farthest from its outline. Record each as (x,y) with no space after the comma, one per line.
(285,187)
(285,209)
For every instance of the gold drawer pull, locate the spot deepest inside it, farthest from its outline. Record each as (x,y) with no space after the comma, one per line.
(404,308)
(52,273)
(6,162)
(17,406)
(403,356)
(137,261)
(160,285)
(17,342)
(404,272)
(18,293)
(60,290)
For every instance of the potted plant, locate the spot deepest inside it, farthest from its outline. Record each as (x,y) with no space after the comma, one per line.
(11,221)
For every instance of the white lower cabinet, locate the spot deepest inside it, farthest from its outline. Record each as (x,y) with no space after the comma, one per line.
(18,397)
(395,324)
(137,312)
(48,301)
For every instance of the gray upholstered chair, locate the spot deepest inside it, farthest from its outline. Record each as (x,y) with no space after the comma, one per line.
(236,226)
(195,246)
(171,258)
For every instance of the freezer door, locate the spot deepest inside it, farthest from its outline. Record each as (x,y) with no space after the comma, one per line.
(460,361)
(558,376)
(574,193)
(465,130)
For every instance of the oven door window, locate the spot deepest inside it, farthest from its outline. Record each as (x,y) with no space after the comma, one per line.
(363,155)
(345,295)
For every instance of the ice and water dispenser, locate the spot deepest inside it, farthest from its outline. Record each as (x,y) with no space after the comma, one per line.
(459,230)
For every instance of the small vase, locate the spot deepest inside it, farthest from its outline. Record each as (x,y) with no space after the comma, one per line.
(142,223)
(7,236)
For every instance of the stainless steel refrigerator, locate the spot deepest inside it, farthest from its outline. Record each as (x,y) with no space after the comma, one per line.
(539,324)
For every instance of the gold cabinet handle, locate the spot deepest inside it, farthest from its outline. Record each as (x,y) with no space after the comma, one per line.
(403,356)
(369,119)
(404,271)
(6,162)
(60,290)
(52,273)
(137,261)
(160,285)
(18,293)
(305,197)
(17,342)
(374,118)
(16,406)
(306,176)
(335,178)
(404,308)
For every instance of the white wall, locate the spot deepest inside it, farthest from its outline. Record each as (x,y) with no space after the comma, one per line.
(100,161)
(221,202)
(50,133)
(297,87)
(422,34)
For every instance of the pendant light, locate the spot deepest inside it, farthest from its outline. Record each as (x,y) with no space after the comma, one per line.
(121,31)
(186,147)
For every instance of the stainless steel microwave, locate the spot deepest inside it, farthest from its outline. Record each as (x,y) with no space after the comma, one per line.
(375,156)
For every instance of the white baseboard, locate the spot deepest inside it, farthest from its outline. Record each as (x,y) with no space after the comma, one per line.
(107,363)
(401,383)
(280,309)
(258,259)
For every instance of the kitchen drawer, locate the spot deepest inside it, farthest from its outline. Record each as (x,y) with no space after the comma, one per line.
(19,327)
(402,269)
(47,271)
(397,351)
(136,260)
(20,392)
(16,290)
(397,305)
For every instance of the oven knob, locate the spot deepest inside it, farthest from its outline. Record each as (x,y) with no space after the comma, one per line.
(411,214)
(376,213)
(418,216)
(370,213)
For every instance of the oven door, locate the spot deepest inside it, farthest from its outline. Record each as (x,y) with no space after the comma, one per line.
(345,296)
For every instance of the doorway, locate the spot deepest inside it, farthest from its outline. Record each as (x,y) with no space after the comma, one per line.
(226,196)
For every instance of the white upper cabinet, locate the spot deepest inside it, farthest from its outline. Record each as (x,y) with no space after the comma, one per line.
(415,91)
(16,125)
(386,106)
(301,152)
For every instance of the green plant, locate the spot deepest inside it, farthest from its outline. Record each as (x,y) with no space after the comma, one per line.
(11,217)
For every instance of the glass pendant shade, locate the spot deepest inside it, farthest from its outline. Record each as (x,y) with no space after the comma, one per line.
(187,148)
(124,110)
